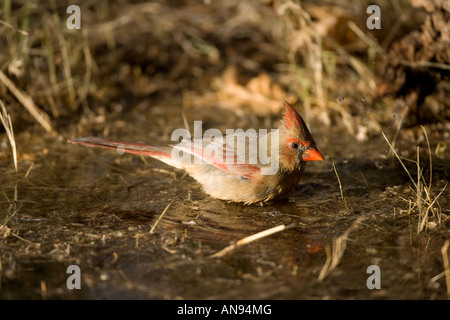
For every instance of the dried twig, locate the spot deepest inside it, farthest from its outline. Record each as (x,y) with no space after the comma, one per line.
(424,201)
(27,102)
(340,186)
(425,64)
(339,245)
(444,252)
(5,118)
(400,160)
(364,37)
(250,239)
(159,218)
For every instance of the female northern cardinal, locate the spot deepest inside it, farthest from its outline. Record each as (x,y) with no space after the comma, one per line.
(229,173)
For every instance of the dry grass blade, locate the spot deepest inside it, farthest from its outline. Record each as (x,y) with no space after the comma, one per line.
(428,64)
(306,41)
(364,37)
(6,121)
(10,26)
(28,103)
(326,267)
(340,186)
(66,67)
(444,252)
(419,188)
(159,218)
(89,65)
(424,201)
(424,214)
(250,239)
(429,155)
(400,160)
(335,256)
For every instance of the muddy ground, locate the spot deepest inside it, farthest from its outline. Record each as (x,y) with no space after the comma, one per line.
(71,205)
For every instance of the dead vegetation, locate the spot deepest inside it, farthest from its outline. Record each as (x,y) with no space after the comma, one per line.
(425,203)
(243,57)
(263,52)
(416,68)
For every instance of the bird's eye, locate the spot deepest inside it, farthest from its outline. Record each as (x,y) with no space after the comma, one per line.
(294,145)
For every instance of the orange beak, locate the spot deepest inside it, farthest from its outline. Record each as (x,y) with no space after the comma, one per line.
(312,155)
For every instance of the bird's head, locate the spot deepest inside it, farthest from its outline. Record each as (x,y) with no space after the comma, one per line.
(296,142)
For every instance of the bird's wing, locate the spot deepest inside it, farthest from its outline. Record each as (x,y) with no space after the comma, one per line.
(217,152)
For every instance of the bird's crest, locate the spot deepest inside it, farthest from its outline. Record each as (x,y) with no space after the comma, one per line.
(291,118)
(295,125)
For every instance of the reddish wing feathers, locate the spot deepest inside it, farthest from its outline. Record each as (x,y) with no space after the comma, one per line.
(246,170)
(128,147)
(221,160)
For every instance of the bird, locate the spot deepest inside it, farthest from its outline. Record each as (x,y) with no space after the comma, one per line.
(266,168)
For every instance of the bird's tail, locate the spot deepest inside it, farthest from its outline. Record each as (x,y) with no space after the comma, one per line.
(158,152)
